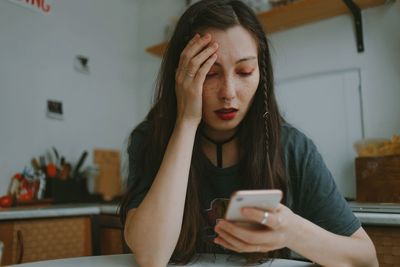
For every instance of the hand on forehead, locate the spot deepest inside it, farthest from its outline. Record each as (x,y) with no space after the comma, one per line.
(235,44)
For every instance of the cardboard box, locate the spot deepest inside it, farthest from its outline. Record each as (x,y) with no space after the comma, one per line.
(378,179)
(108,182)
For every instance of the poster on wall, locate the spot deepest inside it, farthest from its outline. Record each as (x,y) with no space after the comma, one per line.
(40,6)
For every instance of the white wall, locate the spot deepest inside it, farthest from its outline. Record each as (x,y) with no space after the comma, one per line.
(321,47)
(36,63)
(331,45)
(37,52)
(153,17)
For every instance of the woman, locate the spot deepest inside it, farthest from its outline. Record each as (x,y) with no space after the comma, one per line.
(215,128)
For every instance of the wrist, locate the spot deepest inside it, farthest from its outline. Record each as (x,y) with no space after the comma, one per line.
(186,124)
(296,231)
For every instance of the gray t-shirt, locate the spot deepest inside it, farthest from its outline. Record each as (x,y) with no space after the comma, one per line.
(311,192)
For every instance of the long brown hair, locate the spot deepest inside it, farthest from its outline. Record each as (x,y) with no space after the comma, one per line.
(261,163)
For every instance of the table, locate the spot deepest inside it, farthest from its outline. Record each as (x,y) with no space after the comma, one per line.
(125,260)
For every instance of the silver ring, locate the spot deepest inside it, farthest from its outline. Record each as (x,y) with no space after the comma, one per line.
(264,219)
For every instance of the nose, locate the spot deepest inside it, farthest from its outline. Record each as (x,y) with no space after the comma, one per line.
(227,91)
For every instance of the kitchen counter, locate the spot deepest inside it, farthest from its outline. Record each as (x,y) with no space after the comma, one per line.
(375,207)
(368,213)
(377,213)
(59,210)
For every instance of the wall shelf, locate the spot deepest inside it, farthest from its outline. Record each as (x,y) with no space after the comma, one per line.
(295,14)
(157,50)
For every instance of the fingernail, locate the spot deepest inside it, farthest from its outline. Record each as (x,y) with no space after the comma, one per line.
(215,45)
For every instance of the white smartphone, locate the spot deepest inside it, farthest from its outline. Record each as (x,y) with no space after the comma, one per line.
(260,199)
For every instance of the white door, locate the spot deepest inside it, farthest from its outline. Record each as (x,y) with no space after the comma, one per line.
(327,108)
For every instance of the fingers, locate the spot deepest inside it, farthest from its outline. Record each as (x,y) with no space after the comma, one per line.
(204,69)
(234,238)
(244,239)
(196,60)
(272,219)
(245,235)
(194,47)
(242,247)
(195,63)
(236,245)
(184,52)
(194,56)
(230,242)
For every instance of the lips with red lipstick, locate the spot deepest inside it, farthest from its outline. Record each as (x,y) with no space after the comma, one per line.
(226,113)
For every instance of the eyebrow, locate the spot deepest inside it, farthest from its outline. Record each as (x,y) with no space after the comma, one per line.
(240,60)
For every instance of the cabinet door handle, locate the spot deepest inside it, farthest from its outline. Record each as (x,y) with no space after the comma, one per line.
(20,247)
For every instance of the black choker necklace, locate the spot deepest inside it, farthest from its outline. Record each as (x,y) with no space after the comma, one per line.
(219,145)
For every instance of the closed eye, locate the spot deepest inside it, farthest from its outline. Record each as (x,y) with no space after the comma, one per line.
(245,74)
(211,74)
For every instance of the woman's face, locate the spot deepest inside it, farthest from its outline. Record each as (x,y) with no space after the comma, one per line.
(232,81)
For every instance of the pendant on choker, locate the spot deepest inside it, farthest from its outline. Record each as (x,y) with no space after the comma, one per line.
(219,145)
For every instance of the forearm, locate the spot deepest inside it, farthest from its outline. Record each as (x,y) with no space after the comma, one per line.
(328,249)
(153,231)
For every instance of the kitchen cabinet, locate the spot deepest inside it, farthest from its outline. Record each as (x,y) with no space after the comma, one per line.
(109,238)
(30,240)
(64,231)
(387,243)
(295,14)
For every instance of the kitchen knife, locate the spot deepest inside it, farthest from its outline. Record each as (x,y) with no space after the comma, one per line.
(80,163)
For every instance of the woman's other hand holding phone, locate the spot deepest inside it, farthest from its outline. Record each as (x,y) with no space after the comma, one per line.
(195,62)
(275,234)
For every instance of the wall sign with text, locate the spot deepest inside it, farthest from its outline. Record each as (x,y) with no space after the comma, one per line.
(41,6)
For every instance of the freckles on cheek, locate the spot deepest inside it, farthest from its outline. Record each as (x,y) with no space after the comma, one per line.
(247,95)
(207,92)
(252,88)
(207,99)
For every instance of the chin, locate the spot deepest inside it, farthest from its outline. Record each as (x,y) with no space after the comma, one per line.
(223,125)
